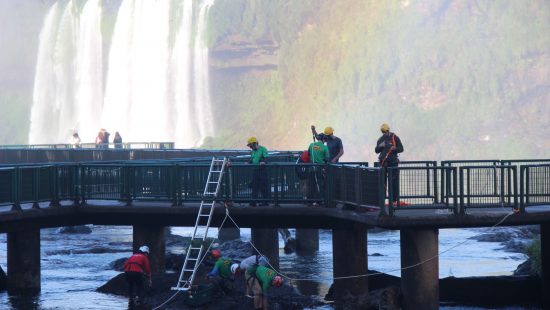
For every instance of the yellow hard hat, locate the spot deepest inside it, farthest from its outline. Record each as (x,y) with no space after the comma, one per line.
(384,127)
(328,131)
(252,140)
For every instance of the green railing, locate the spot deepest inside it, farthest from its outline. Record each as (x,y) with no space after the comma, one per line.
(124,145)
(179,182)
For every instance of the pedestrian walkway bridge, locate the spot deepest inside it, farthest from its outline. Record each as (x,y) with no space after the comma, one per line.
(150,193)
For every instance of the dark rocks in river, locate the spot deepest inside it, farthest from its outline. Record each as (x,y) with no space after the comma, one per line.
(82,229)
(474,291)
(512,239)
(285,297)
(492,291)
(525,269)
(94,250)
(3,280)
(173,262)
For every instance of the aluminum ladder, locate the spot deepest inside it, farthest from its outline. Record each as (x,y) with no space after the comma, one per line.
(197,246)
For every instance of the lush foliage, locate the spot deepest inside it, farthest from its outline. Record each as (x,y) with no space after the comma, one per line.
(533,251)
(453,78)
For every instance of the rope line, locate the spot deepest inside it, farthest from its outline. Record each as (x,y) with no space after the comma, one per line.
(198,264)
(371,274)
(227,215)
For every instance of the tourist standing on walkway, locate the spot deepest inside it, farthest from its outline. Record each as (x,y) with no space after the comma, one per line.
(136,268)
(99,140)
(259,280)
(259,183)
(318,154)
(106,135)
(76,142)
(388,147)
(334,144)
(117,141)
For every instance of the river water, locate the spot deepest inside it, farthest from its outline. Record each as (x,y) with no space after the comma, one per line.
(70,275)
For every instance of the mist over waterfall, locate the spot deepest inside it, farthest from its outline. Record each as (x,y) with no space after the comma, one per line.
(148,80)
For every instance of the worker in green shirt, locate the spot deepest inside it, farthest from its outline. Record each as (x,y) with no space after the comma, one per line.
(318,154)
(221,273)
(259,183)
(259,280)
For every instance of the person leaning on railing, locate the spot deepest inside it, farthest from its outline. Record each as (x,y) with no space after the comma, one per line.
(258,156)
(388,147)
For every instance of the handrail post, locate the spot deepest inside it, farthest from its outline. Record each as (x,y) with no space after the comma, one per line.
(35,173)
(54,188)
(15,190)
(515,185)
(461,190)
(276,183)
(522,171)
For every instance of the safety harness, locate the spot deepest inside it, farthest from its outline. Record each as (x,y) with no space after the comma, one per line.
(390,151)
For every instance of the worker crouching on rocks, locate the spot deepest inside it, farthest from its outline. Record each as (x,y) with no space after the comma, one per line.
(258,281)
(222,273)
(136,269)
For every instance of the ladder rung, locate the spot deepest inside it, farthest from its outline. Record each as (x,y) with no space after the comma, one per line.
(215,171)
(187,270)
(204,215)
(212,182)
(193,248)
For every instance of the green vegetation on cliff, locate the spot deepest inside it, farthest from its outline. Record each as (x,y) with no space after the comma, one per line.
(456,79)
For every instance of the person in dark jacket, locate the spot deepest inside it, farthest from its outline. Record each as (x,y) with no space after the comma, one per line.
(117,140)
(388,147)
(136,268)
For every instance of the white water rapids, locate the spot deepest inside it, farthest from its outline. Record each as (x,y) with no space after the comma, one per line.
(149,80)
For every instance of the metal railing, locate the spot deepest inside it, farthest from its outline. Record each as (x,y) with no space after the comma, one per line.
(420,185)
(428,187)
(123,145)
(488,186)
(534,185)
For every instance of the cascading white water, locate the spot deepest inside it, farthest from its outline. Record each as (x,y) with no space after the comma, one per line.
(202,87)
(89,96)
(65,68)
(181,59)
(151,92)
(42,112)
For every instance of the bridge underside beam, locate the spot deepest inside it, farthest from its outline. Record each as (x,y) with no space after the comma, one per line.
(24,262)
(154,238)
(420,284)
(349,258)
(266,240)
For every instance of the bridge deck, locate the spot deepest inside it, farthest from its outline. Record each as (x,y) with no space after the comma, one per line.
(285,215)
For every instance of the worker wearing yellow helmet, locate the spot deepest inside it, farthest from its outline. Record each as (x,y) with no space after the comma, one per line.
(258,156)
(388,147)
(334,144)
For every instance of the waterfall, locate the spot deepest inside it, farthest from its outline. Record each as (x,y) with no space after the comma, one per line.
(89,97)
(152,89)
(202,87)
(65,68)
(42,112)
(181,60)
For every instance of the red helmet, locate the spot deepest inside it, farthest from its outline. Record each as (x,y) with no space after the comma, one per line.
(216,253)
(277,281)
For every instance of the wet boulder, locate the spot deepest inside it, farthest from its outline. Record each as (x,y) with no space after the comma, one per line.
(3,280)
(82,229)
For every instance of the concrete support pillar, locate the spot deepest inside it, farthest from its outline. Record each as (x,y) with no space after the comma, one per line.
(307,241)
(153,237)
(349,257)
(420,284)
(24,262)
(230,233)
(545,264)
(266,240)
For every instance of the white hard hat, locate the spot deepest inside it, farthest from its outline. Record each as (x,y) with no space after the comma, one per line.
(234,268)
(144,249)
